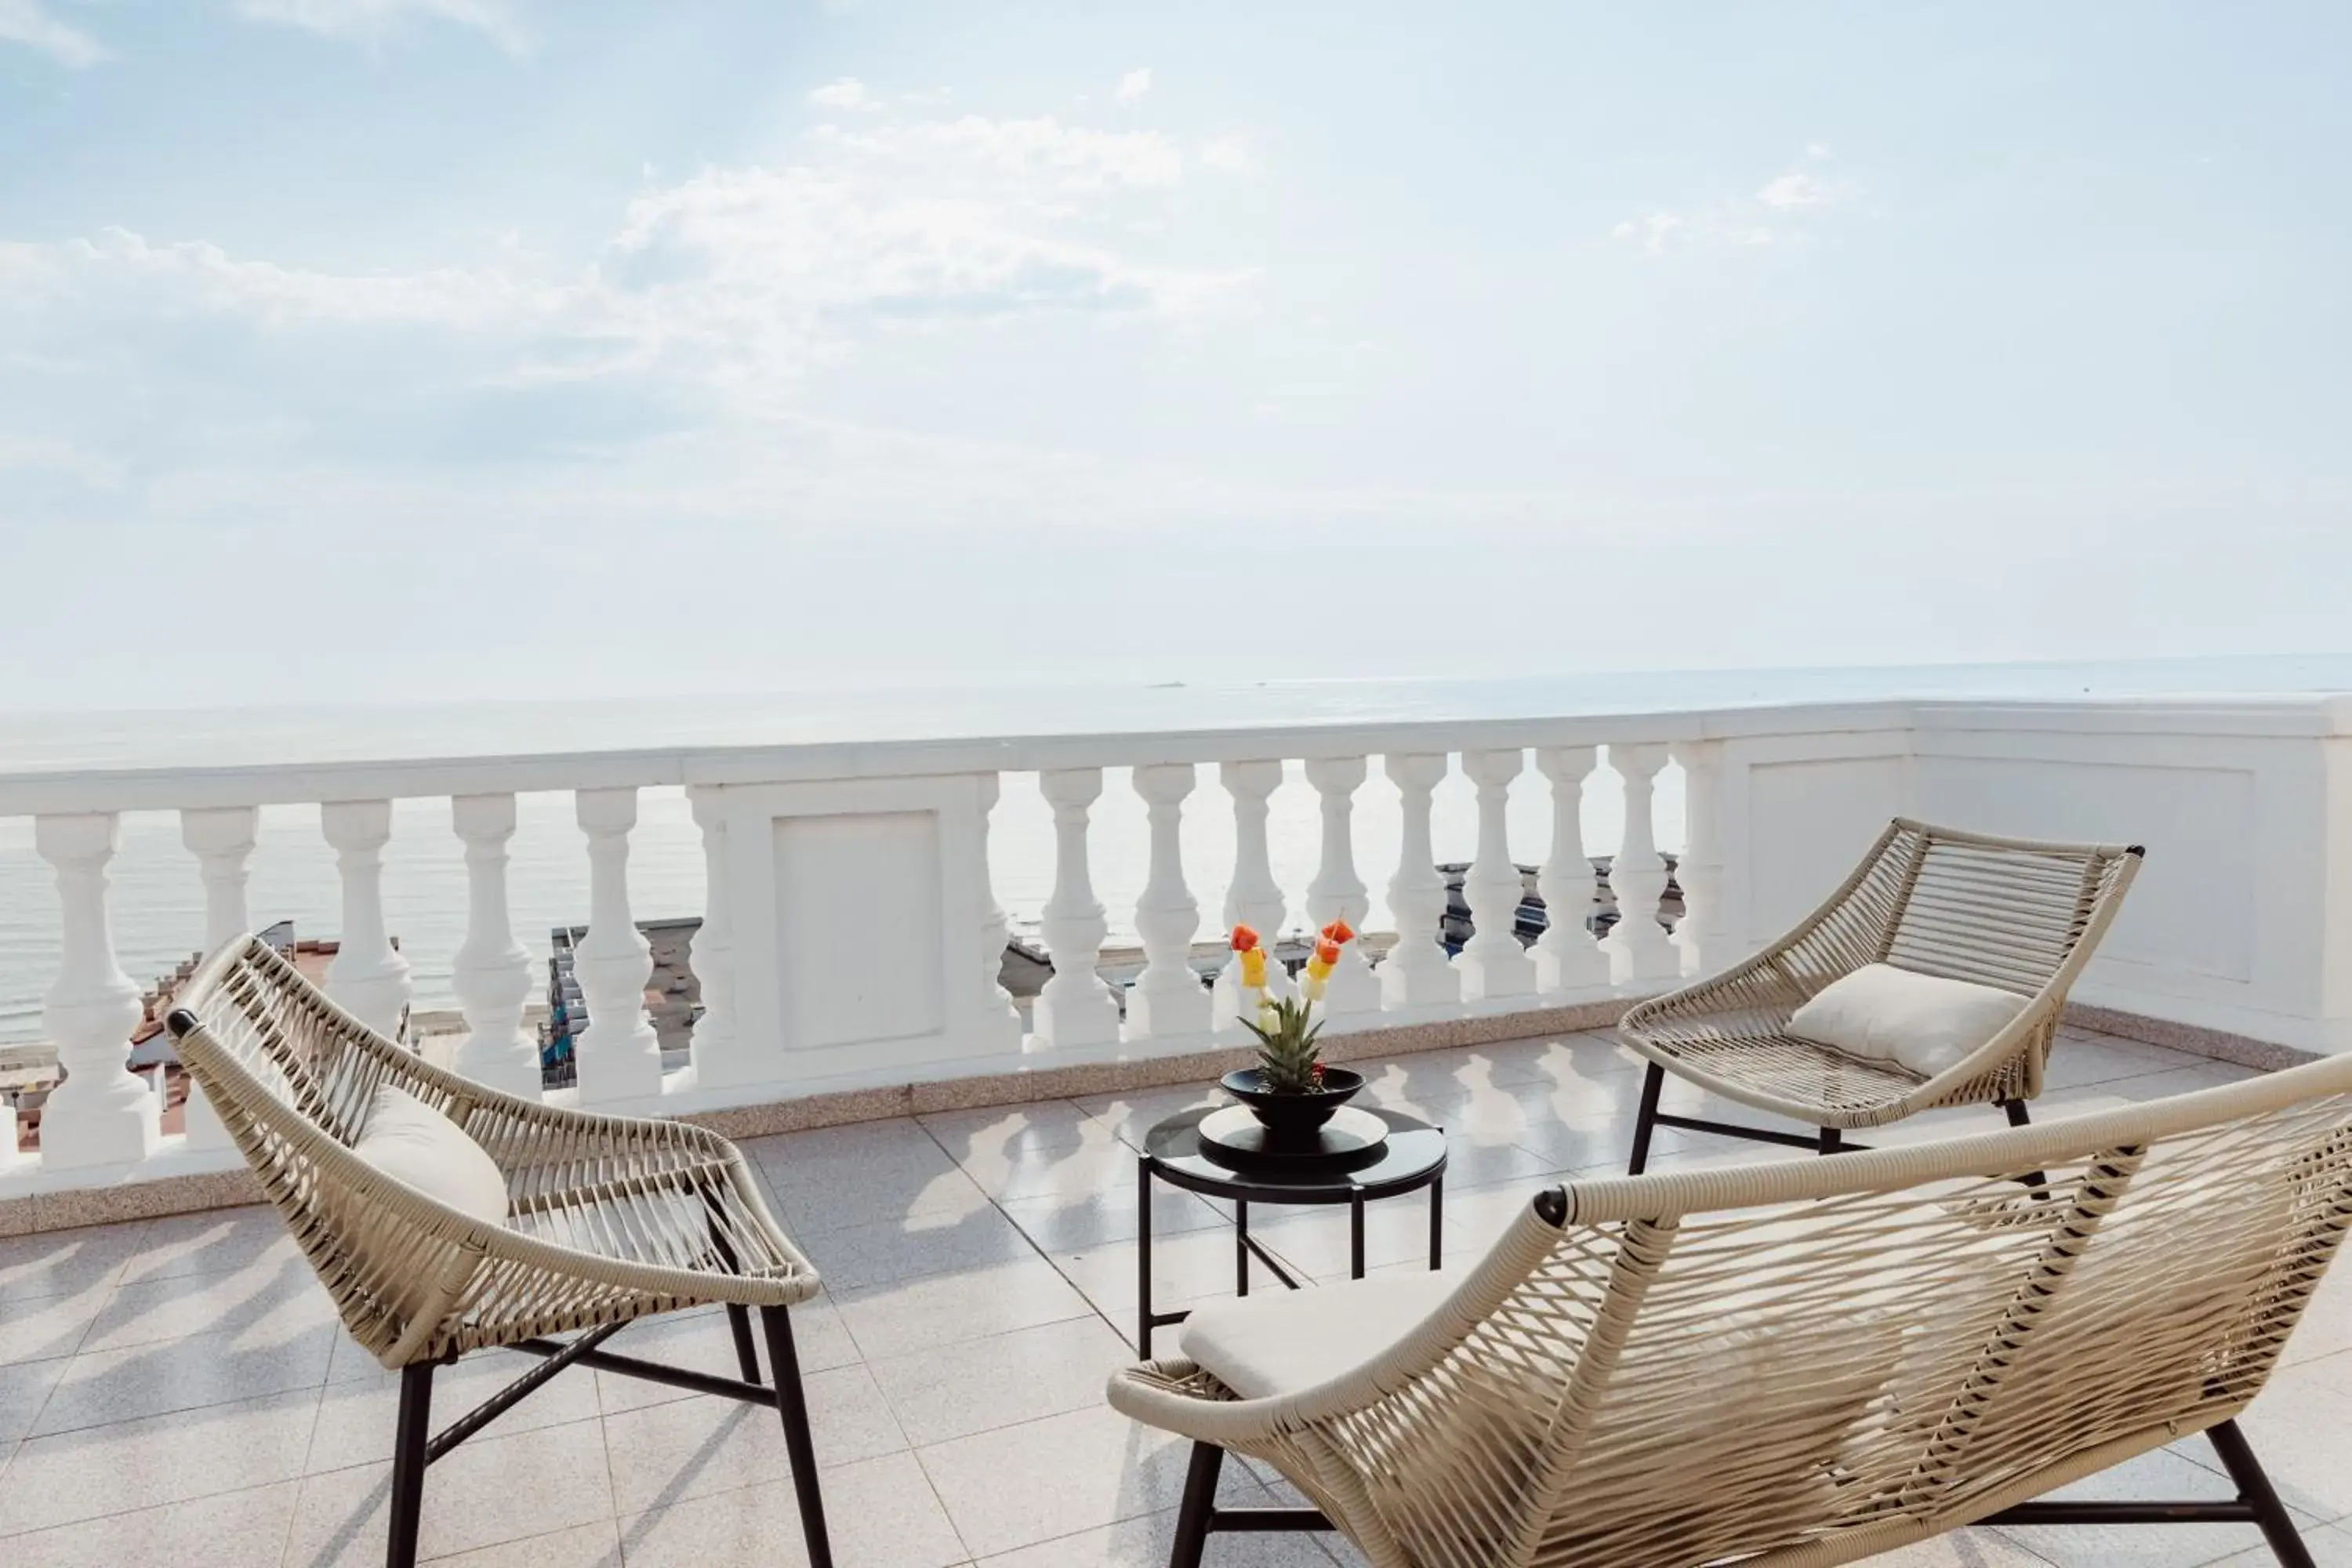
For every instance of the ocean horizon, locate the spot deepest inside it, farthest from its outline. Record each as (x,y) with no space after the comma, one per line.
(158,903)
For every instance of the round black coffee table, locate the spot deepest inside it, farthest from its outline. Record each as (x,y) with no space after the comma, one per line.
(1413,1158)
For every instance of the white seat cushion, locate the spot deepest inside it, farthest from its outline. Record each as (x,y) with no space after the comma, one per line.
(1922,1022)
(1286,1341)
(410,1142)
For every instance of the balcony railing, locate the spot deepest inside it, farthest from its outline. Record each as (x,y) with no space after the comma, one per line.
(852,929)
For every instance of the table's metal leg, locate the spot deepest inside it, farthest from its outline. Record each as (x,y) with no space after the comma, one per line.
(1436,1223)
(1240,1247)
(1355,1236)
(1143,1257)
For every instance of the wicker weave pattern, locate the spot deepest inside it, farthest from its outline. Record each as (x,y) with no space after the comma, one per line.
(612,1217)
(1815,1361)
(2017,914)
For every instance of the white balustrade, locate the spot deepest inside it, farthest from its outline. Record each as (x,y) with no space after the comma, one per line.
(1076,1007)
(222,838)
(619,1056)
(1338,893)
(1493,964)
(798,931)
(1639,953)
(491,973)
(1417,972)
(1252,897)
(1699,935)
(1569,960)
(368,975)
(999,1019)
(1167,999)
(101,1114)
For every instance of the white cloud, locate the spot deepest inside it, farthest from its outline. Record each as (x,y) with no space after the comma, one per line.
(1134,85)
(1228,154)
(1796,189)
(1773,215)
(848,93)
(370,21)
(731,283)
(25,22)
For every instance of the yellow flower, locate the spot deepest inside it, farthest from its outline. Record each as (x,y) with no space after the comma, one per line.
(1253,969)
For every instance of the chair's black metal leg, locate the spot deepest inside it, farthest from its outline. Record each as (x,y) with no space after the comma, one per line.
(408,1463)
(2038,1180)
(1240,1247)
(1200,1502)
(1143,1257)
(738,1319)
(1438,1224)
(1647,1121)
(2254,1488)
(791,1399)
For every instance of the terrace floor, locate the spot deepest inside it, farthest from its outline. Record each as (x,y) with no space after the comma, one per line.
(178,1391)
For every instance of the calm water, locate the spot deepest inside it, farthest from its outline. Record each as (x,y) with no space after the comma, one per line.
(159,909)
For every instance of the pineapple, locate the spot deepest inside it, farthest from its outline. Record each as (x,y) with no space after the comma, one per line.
(1287,1057)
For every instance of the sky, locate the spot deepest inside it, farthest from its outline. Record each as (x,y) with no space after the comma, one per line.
(420,350)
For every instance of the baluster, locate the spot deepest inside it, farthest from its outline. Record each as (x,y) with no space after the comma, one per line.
(1338,893)
(491,973)
(1637,945)
(619,1055)
(1416,972)
(1167,999)
(368,976)
(1699,934)
(222,840)
(1252,897)
(1076,1007)
(1493,964)
(1568,959)
(101,1114)
(716,1050)
(999,1019)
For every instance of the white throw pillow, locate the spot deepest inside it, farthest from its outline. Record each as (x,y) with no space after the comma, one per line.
(410,1142)
(1924,1022)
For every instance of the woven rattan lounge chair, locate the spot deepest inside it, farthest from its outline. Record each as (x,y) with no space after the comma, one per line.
(2017,914)
(610,1219)
(1798,1362)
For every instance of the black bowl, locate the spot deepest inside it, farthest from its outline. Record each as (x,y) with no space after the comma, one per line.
(1293,1115)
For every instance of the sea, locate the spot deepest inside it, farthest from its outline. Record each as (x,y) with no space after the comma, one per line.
(158,903)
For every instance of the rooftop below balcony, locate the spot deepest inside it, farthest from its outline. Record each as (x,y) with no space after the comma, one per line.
(179,1391)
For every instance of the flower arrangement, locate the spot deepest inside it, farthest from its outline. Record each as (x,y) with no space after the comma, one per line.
(1289,1057)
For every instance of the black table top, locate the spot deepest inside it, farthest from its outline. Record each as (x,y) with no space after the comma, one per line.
(1413,1157)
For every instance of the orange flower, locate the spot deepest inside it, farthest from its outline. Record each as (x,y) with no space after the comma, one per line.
(1338,931)
(1244,939)
(1326,951)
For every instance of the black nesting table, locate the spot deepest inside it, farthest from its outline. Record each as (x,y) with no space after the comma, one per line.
(1412,1158)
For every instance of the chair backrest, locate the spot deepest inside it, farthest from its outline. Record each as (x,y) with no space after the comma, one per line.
(293,1078)
(2016,913)
(1829,1358)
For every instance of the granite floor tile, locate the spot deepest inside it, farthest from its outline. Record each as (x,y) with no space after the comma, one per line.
(156,1460)
(665,1454)
(359,1417)
(65,1262)
(104,1387)
(1078,1472)
(882,1513)
(254,1308)
(231,1530)
(491,1491)
(958,1390)
(922,1314)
